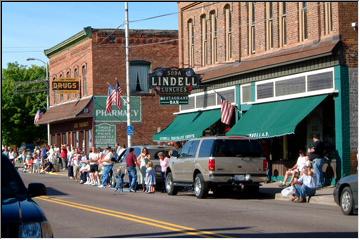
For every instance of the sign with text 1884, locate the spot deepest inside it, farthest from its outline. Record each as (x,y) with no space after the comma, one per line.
(173,82)
(66,85)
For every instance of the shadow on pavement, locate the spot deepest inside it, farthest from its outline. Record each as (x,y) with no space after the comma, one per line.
(53,192)
(222,231)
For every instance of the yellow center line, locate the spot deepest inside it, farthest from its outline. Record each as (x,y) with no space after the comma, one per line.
(134,218)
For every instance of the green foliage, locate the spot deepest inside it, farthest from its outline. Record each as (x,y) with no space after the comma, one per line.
(19,104)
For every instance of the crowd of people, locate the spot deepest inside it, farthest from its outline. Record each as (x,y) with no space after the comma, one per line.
(306,175)
(96,168)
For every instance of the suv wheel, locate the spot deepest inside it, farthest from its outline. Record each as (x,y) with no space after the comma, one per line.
(200,187)
(346,201)
(170,188)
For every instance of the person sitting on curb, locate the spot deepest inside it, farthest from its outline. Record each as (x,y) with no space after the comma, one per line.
(295,171)
(305,186)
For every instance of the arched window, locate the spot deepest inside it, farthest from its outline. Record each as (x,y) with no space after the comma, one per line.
(76,76)
(303,27)
(213,37)
(190,26)
(282,24)
(84,79)
(269,25)
(228,38)
(203,40)
(61,95)
(251,27)
(328,17)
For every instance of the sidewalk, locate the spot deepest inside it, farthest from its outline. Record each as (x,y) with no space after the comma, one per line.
(323,196)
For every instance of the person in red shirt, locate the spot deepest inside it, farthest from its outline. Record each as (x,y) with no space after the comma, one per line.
(63,156)
(131,167)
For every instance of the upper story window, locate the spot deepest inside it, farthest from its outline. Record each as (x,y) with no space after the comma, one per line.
(303,25)
(139,71)
(213,37)
(191,43)
(282,24)
(68,72)
(269,25)
(328,17)
(61,95)
(76,76)
(84,78)
(203,40)
(228,38)
(251,27)
(54,94)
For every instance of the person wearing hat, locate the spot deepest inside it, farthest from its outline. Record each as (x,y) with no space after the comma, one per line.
(305,186)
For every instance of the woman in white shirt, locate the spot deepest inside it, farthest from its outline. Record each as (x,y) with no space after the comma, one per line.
(296,169)
(142,160)
(306,185)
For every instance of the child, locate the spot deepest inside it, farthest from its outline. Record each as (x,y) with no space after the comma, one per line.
(120,174)
(150,179)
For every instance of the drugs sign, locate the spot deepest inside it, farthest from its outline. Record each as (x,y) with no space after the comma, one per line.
(66,85)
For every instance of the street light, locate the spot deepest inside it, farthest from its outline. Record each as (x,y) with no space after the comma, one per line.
(48,91)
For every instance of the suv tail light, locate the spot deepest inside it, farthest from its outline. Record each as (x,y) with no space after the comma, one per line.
(211,164)
(265,165)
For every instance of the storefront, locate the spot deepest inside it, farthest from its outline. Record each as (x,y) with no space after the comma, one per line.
(282,99)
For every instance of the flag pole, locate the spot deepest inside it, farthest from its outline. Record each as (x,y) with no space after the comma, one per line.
(127,71)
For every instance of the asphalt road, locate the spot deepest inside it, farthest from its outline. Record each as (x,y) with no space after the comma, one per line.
(76,210)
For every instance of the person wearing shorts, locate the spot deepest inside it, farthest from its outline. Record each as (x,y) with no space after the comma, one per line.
(94,167)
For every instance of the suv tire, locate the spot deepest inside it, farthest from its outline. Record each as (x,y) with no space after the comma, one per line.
(170,188)
(346,201)
(200,187)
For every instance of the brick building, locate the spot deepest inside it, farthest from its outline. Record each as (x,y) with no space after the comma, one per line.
(97,57)
(269,58)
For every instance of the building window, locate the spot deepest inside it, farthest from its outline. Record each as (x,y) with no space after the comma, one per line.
(213,37)
(203,40)
(61,95)
(76,76)
(290,86)
(265,90)
(282,25)
(190,105)
(55,95)
(269,25)
(191,43)
(139,71)
(328,17)
(84,78)
(228,39)
(251,27)
(246,95)
(303,26)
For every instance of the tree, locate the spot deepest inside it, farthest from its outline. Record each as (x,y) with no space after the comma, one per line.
(20,101)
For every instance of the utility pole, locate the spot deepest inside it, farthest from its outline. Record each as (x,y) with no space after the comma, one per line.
(127,71)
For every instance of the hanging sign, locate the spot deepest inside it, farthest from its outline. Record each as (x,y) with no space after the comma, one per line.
(173,85)
(66,85)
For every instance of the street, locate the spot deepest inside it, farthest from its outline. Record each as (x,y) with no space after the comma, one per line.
(76,210)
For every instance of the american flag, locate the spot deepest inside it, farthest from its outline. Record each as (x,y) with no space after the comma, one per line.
(110,98)
(227,111)
(38,115)
(118,94)
(114,97)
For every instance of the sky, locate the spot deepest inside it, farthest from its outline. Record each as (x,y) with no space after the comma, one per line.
(30,27)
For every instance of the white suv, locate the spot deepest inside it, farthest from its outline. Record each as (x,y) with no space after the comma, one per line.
(217,163)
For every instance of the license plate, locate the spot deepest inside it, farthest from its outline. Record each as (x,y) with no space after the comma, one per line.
(239,177)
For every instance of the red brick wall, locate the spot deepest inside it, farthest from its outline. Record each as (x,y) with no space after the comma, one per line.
(70,59)
(240,26)
(349,36)
(106,61)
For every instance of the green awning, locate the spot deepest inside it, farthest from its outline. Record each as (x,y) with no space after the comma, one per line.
(275,118)
(188,125)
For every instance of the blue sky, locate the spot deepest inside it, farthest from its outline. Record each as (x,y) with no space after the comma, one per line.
(30,27)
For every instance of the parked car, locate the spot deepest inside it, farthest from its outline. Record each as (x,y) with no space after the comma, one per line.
(153,150)
(20,215)
(217,163)
(346,194)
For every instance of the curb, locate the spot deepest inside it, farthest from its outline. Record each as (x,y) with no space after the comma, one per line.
(322,200)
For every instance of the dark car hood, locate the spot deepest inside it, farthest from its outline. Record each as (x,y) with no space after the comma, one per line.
(20,210)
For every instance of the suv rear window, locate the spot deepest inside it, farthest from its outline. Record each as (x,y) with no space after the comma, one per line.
(237,148)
